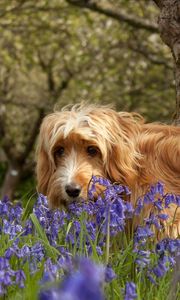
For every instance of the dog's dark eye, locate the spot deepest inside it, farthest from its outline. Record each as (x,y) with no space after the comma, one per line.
(59,151)
(92,150)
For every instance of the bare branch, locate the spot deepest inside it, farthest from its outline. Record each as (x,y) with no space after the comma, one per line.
(120,16)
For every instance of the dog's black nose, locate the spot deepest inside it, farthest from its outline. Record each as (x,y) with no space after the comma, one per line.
(73,190)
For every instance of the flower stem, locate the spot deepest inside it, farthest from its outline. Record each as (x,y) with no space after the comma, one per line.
(108,238)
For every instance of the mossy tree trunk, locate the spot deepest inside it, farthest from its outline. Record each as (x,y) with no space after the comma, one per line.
(169,28)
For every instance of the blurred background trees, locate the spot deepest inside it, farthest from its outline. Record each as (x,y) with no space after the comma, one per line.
(64,51)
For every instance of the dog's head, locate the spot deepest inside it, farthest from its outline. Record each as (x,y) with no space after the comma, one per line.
(76,143)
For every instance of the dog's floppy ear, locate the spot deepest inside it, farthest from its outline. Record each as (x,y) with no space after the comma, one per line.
(123,158)
(121,165)
(44,168)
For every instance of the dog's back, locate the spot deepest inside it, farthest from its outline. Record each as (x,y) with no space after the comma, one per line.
(160,147)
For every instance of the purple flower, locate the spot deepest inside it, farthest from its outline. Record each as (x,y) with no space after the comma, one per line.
(129,210)
(109,274)
(143,258)
(142,233)
(28,228)
(151,278)
(161,269)
(130,291)
(148,198)
(171,246)
(163,216)
(25,251)
(169,198)
(4,263)
(139,207)
(158,188)
(66,263)
(84,283)
(7,278)
(159,204)
(153,219)
(37,251)
(20,278)
(52,294)
(50,271)
(11,229)
(178,200)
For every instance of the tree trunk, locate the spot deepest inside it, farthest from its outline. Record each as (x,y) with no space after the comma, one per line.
(169,27)
(12,179)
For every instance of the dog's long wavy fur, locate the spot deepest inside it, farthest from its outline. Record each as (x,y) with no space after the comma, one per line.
(129,152)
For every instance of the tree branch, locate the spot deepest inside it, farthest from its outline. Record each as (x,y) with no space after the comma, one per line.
(152,57)
(120,16)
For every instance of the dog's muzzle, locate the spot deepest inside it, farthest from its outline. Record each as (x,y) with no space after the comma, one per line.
(73,190)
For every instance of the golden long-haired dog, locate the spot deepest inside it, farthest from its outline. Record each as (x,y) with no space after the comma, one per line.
(86,140)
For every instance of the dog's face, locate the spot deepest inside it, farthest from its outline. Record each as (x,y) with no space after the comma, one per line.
(76,144)
(76,160)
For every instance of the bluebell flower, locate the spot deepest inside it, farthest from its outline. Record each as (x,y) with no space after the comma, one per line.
(65,262)
(4,208)
(159,204)
(139,207)
(178,200)
(153,220)
(151,278)
(130,291)
(109,274)
(129,210)
(171,246)
(42,200)
(143,258)
(70,238)
(91,229)
(4,263)
(50,271)
(7,277)
(158,188)
(142,233)
(11,229)
(76,227)
(84,283)
(148,198)
(169,198)
(160,270)
(163,216)
(25,251)
(160,248)
(51,294)
(99,250)
(13,250)
(20,278)
(28,228)
(37,251)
